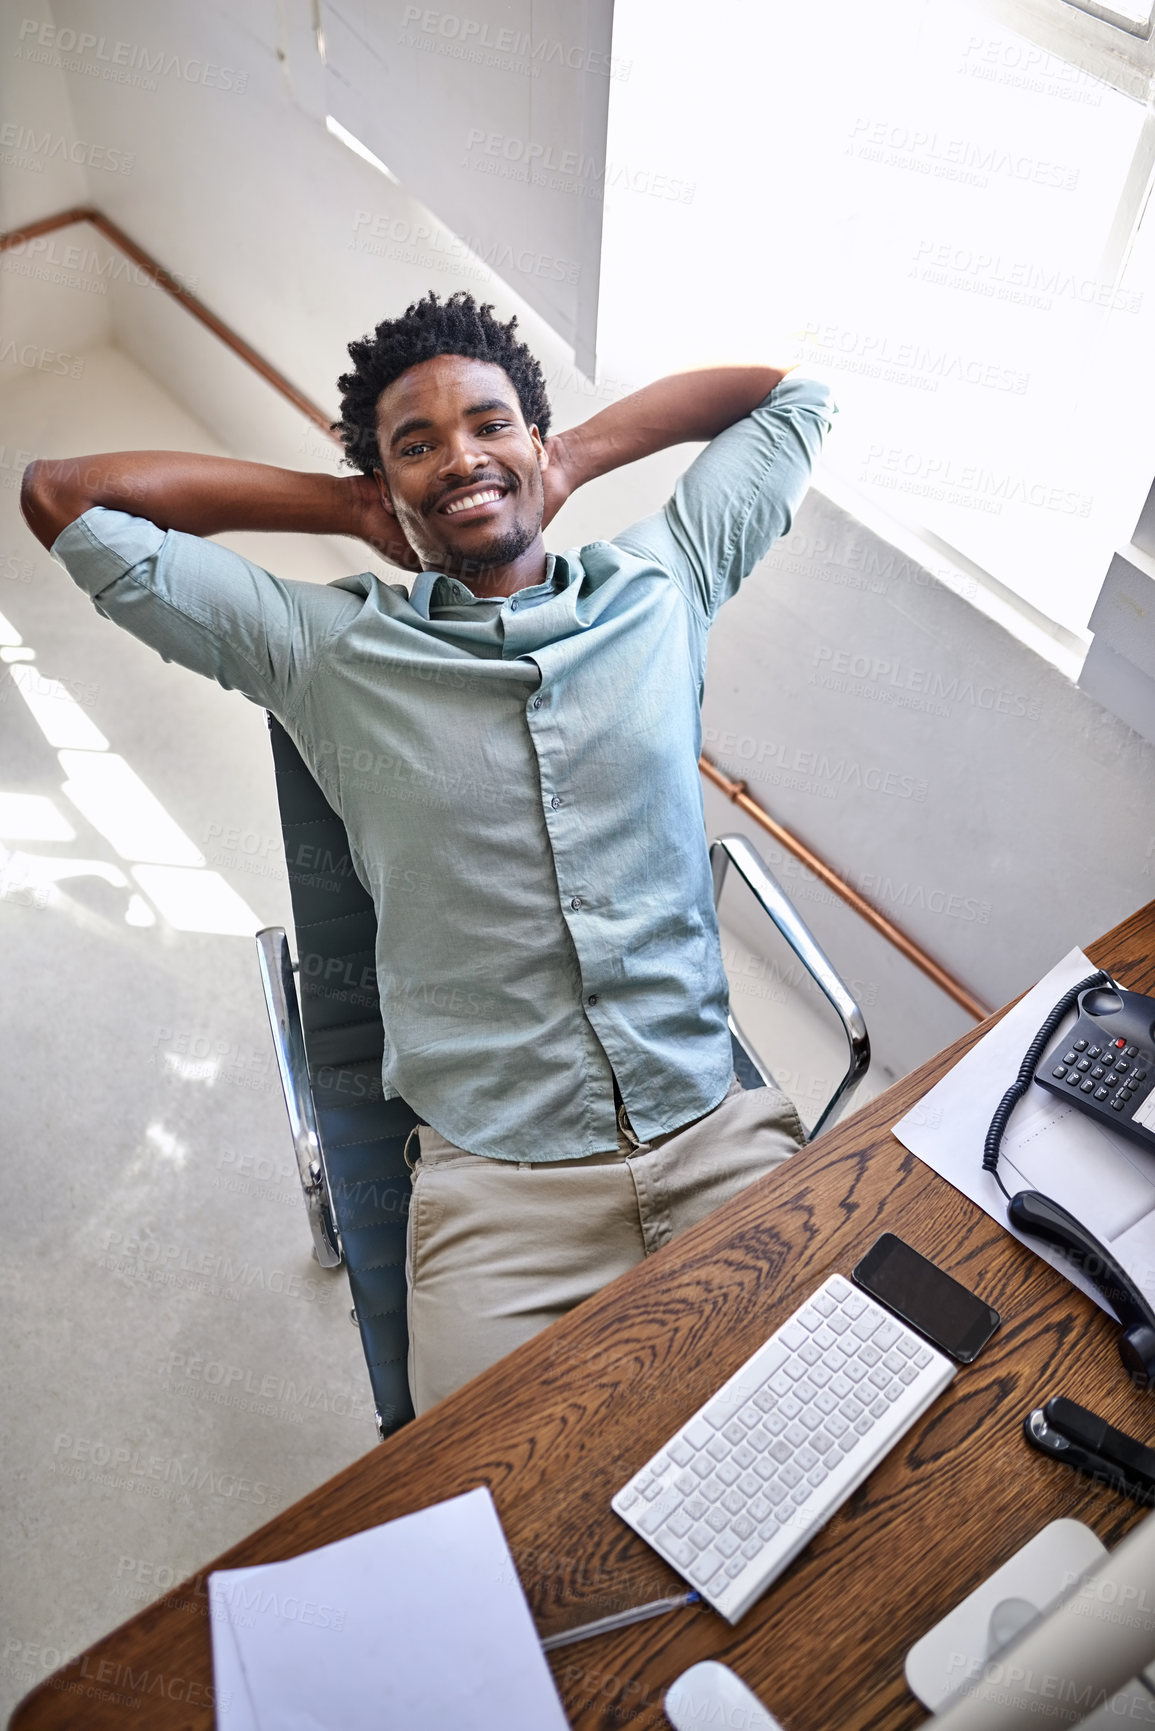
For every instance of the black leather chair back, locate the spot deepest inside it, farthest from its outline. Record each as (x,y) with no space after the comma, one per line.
(362,1134)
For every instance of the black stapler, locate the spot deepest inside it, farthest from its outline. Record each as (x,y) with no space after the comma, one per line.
(1068,1432)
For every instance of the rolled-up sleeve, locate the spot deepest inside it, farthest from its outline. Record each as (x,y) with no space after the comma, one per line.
(739,495)
(203,606)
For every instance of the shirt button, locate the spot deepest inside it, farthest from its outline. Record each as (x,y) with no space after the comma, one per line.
(537,703)
(575,902)
(513,607)
(555,802)
(592,999)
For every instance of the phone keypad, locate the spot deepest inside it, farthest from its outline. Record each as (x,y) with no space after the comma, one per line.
(1114,1074)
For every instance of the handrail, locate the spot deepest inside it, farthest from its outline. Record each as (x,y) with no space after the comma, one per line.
(171,285)
(734,790)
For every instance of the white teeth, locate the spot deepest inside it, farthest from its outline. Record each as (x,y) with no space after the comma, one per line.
(486,498)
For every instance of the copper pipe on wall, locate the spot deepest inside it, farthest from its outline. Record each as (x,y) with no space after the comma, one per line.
(164,279)
(734,790)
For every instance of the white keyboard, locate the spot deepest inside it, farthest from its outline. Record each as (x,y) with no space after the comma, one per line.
(739,1490)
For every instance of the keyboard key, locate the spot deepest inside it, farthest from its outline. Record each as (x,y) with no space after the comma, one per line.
(727,1472)
(838,1322)
(726,1543)
(733,1502)
(749,1485)
(789,1407)
(869,1354)
(734,1433)
(712,1488)
(679,1552)
(853,1304)
(789,1476)
(735,1567)
(742,1526)
(697,1434)
(696,1508)
(750,1549)
(679,1524)
(651,1518)
(718,1448)
(823,1303)
(795,1435)
(704,1568)
(681,1452)
(718,1519)
(686,1483)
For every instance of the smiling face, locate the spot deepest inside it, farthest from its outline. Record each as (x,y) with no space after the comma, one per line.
(462,471)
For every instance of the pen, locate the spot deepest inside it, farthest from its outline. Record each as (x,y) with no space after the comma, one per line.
(622,1620)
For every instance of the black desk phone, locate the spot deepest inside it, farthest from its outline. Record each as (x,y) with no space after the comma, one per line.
(1106,1064)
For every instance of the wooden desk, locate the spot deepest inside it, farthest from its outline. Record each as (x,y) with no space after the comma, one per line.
(558,1426)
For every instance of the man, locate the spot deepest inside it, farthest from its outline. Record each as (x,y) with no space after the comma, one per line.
(518,736)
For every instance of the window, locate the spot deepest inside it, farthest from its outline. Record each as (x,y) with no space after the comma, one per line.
(938,206)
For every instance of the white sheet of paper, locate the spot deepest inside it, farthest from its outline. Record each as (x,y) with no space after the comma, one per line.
(1102,1178)
(419,1622)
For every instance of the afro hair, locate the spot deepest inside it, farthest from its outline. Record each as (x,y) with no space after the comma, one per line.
(430,327)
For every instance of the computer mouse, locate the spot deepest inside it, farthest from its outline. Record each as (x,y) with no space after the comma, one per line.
(710,1694)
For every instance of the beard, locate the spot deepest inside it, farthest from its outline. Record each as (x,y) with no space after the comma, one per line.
(502,549)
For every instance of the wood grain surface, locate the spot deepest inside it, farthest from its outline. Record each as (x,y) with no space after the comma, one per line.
(556,1428)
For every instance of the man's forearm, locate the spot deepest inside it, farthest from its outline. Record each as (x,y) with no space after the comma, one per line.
(201,495)
(672,411)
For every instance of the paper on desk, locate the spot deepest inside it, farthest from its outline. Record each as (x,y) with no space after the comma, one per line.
(420,1622)
(1102,1178)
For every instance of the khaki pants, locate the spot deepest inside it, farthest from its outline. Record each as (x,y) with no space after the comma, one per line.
(496,1250)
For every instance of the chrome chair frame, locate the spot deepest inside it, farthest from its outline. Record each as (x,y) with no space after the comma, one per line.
(736,851)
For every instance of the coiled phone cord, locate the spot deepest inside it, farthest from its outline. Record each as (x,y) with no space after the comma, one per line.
(1026,1073)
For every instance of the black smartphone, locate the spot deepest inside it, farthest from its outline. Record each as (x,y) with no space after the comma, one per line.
(951,1318)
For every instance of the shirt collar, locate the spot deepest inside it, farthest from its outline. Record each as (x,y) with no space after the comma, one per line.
(433,590)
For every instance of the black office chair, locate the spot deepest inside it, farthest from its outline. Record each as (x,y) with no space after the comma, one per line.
(327,1032)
